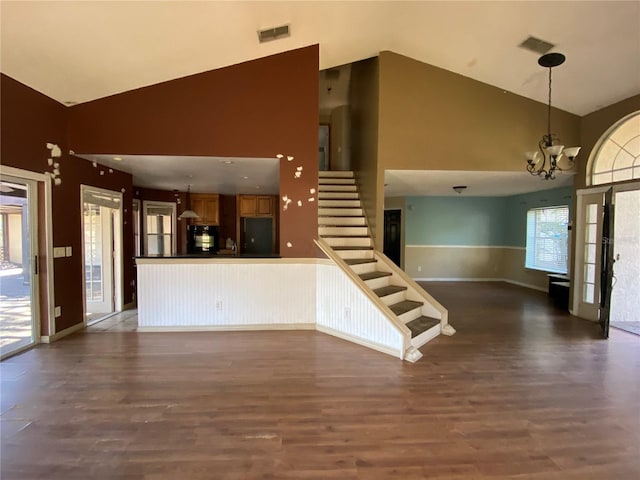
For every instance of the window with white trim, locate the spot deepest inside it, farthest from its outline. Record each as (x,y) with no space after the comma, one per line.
(618,155)
(547,239)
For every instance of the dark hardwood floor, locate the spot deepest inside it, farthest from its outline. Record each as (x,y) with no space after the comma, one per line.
(522,391)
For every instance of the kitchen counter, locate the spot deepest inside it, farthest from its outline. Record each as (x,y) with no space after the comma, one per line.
(211,256)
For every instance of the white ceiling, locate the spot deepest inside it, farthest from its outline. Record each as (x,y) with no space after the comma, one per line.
(203,174)
(77,51)
(399,183)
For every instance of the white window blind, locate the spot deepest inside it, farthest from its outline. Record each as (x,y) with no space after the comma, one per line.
(547,239)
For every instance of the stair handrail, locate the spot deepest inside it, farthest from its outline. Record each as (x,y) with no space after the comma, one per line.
(401,327)
(444,313)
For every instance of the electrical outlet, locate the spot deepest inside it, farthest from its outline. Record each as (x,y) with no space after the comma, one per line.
(57,312)
(419,268)
(347,312)
(219,305)
(68,251)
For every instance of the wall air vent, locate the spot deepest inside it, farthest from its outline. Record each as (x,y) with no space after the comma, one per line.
(274,33)
(536,45)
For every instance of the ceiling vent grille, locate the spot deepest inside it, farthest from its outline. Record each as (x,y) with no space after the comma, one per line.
(536,45)
(274,33)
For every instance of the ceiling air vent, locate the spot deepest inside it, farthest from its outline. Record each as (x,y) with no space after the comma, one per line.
(273,33)
(536,45)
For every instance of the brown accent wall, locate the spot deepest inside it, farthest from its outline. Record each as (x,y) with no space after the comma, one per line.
(254,109)
(29,120)
(364,138)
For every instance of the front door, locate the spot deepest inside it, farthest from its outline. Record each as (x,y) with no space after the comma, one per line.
(607,260)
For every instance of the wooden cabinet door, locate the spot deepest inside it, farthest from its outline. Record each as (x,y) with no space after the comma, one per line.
(264,206)
(248,205)
(206,205)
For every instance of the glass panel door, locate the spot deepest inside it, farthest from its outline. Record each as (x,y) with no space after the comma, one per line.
(18,264)
(98,260)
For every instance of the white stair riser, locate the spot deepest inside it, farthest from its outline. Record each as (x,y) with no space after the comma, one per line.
(336,188)
(364,267)
(336,181)
(426,336)
(345,254)
(342,195)
(340,221)
(378,282)
(348,241)
(335,174)
(343,231)
(338,212)
(410,315)
(393,298)
(339,203)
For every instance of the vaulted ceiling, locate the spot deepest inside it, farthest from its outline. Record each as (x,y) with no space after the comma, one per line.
(77,51)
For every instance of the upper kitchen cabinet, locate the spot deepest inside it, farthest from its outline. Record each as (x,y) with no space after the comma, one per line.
(256,205)
(207,206)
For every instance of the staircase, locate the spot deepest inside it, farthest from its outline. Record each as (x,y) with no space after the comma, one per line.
(343,228)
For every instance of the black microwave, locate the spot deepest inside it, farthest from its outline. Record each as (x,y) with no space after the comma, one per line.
(202,239)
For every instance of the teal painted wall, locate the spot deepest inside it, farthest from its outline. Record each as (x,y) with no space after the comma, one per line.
(476,221)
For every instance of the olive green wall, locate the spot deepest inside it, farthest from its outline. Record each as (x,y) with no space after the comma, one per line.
(433,119)
(364,138)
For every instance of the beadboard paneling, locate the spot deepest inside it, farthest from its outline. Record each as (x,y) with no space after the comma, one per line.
(225,294)
(344,308)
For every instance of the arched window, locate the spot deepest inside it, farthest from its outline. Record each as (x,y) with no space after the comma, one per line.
(618,155)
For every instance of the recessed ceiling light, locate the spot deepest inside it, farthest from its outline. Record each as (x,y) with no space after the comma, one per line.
(228,162)
(117,159)
(246,178)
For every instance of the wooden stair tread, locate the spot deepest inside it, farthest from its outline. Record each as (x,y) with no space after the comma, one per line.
(372,275)
(405,306)
(351,247)
(359,261)
(389,290)
(421,324)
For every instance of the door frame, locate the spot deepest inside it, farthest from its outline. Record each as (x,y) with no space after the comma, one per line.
(578,273)
(45,231)
(116,253)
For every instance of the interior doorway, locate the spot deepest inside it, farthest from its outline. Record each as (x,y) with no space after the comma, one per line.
(102,253)
(393,235)
(19,304)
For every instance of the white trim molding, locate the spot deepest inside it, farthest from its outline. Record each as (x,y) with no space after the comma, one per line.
(67,331)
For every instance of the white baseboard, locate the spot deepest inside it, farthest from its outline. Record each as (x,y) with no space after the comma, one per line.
(359,341)
(229,328)
(58,335)
(526,285)
(458,279)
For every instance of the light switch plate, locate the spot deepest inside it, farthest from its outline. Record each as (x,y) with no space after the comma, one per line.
(57,312)
(68,251)
(59,252)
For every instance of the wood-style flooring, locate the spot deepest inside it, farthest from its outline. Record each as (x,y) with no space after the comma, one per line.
(522,391)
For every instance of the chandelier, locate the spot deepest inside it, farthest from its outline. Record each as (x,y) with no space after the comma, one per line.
(551,154)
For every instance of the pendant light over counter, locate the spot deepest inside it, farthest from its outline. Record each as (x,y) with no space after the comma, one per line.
(188,213)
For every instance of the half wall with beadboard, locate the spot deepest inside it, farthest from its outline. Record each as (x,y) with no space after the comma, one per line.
(181,294)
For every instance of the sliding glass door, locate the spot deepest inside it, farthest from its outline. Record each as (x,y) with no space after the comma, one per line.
(18,264)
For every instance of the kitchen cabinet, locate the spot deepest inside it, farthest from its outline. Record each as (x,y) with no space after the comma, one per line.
(256,205)
(207,206)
